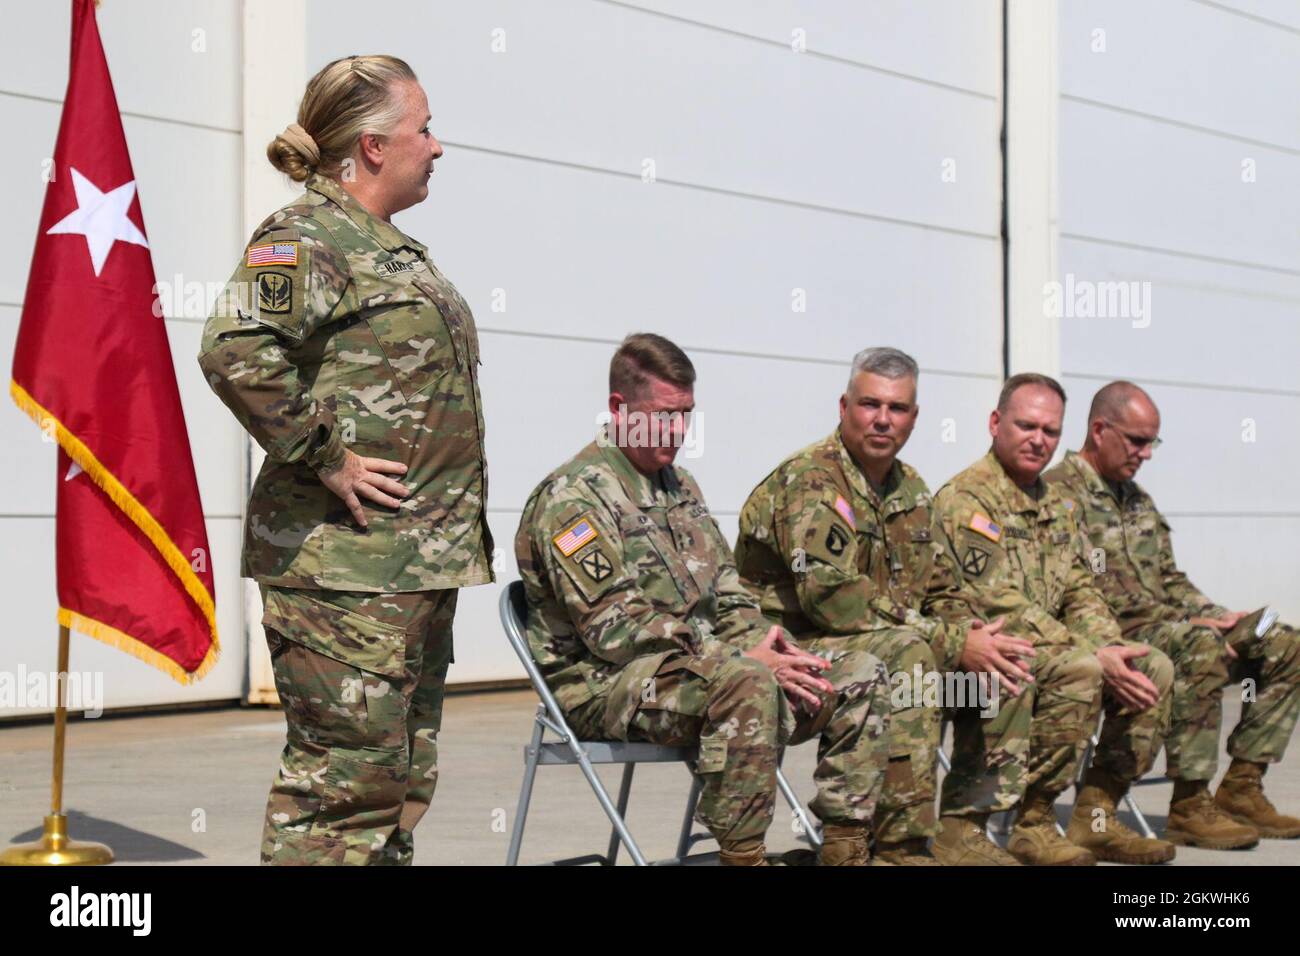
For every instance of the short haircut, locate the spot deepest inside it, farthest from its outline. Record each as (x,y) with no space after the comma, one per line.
(1017,382)
(643,356)
(886,362)
(1110,401)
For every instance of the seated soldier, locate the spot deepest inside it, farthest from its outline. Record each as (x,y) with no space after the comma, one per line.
(1156,604)
(1021,556)
(838,545)
(643,631)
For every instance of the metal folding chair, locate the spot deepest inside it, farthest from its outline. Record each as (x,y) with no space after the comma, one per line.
(1129,802)
(569,750)
(1000,824)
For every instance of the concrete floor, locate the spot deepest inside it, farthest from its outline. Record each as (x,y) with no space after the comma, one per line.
(190,788)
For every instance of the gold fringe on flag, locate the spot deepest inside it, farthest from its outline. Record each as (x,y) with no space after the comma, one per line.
(148,524)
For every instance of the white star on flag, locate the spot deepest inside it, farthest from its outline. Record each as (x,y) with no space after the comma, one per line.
(101,218)
(73,471)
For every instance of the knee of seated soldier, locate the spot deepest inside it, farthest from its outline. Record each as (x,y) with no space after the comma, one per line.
(856,674)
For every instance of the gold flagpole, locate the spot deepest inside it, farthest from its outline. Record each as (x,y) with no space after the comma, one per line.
(54,848)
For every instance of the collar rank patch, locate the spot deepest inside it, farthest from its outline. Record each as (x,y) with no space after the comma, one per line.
(575,536)
(982,525)
(975,561)
(273,254)
(846,511)
(596,565)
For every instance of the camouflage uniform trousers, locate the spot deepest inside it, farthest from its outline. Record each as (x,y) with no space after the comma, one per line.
(360,762)
(733,709)
(1035,740)
(906,806)
(1130,741)
(1270,704)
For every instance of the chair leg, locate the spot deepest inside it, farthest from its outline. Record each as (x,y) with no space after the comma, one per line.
(624,791)
(526,791)
(1141,818)
(606,804)
(688,821)
(812,831)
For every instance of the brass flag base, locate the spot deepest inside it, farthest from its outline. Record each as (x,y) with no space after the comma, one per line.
(55,849)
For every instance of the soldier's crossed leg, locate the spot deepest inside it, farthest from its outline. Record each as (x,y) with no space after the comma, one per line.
(728,706)
(853,731)
(1068,701)
(1130,741)
(1267,721)
(906,806)
(1035,738)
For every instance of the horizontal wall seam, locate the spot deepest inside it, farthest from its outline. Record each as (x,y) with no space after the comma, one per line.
(1180,124)
(723,191)
(58,101)
(1206,386)
(1180,253)
(814,54)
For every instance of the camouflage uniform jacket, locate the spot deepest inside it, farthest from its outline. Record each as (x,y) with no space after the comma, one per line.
(1021,557)
(1139,580)
(337,330)
(826,555)
(621,571)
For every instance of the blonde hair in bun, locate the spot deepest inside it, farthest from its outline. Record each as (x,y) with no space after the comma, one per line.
(348,97)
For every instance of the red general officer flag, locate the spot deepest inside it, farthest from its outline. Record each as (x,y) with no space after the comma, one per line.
(93,367)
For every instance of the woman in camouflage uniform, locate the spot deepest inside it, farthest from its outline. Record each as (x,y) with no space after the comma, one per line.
(354,364)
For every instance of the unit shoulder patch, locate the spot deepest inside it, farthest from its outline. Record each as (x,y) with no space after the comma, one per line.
(975,561)
(274,293)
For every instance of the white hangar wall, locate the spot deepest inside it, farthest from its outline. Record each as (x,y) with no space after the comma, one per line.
(1179,164)
(861,176)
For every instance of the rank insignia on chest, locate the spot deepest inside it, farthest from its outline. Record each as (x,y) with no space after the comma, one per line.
(975,561)
(836,541)
(274,293)
(574,537)
(982,525)
(596,565)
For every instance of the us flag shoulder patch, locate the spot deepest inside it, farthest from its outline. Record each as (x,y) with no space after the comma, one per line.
(984,526)
(846,511)
(273,254)
(574,537)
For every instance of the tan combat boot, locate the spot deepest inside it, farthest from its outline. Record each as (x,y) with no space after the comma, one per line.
(962,841)
(743,853)
(844,845)
(1196,820)
(910,852)
(1095,825)
(1035,840)
(1241,796)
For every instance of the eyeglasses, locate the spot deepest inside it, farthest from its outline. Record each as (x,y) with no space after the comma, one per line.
(1137,441)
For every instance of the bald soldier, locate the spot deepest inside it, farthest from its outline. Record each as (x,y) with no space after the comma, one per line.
(839,546)
(643,631)
(1156,603)
(1021,557)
